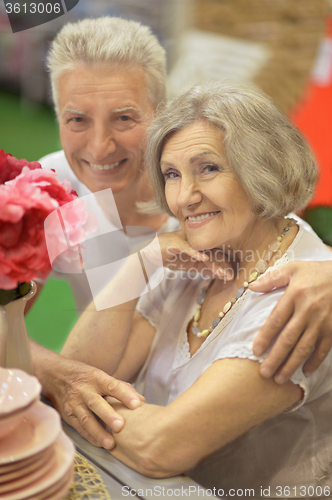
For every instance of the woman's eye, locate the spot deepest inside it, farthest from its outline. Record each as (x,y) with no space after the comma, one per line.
(210,168)
(170,175)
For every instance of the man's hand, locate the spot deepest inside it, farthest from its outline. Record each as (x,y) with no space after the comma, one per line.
(303,316)
(77,391)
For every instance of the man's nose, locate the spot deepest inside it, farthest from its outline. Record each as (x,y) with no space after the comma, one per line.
(102,143)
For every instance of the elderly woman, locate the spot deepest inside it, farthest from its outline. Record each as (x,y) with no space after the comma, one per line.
(230,167)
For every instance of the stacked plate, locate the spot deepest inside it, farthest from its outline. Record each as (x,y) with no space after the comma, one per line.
(36,457)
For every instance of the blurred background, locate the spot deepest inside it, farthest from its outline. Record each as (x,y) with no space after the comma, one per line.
(283,46)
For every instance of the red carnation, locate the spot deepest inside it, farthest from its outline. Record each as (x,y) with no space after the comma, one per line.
(11,167)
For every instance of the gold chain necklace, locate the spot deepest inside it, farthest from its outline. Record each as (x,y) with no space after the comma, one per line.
(260,268)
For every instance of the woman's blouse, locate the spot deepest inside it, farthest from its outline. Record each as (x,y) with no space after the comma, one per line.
(291,450)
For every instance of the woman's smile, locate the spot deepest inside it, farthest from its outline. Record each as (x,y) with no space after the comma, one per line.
(198,220)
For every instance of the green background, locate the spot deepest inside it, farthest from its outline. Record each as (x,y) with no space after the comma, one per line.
(29,130)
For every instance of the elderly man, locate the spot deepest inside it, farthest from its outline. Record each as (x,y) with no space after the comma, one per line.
(108,77)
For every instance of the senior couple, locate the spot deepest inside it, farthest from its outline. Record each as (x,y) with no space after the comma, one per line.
(230,167)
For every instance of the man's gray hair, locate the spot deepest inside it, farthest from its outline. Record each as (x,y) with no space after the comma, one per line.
(109,41)
(266,152)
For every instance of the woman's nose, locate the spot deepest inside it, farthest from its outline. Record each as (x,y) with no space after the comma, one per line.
(102,143)
(189,194)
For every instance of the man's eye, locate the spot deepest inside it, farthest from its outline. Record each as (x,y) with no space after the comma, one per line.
(77,119)
(122,123)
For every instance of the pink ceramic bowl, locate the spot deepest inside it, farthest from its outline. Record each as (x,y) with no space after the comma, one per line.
(17,390)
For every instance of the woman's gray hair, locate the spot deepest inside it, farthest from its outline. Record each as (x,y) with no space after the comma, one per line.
(109,41)
(268,155)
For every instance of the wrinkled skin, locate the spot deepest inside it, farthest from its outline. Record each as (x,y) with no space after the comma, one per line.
(77,392)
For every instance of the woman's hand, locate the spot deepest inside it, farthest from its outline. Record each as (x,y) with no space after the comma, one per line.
(303,316)
(178,255)
(77,391)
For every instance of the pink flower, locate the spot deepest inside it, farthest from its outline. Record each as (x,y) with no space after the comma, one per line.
(65,229)
(25,202)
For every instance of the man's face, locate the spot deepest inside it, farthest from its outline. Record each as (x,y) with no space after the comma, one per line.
(104,114)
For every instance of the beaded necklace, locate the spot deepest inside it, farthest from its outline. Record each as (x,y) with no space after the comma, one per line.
(260,268)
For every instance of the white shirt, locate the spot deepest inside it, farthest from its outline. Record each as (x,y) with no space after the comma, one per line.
(292,449)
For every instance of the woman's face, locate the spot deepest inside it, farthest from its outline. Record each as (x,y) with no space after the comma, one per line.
(202,192)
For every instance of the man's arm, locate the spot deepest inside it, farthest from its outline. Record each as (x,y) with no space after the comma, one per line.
(100,337)
(303,316)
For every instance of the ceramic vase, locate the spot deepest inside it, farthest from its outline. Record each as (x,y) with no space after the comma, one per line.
(14,342)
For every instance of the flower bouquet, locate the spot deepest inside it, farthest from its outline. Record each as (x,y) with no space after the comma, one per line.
(28,195)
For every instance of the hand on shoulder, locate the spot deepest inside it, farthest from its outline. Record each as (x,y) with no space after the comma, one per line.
(303,316)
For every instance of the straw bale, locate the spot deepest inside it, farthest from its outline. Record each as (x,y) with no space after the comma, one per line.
(291,28)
